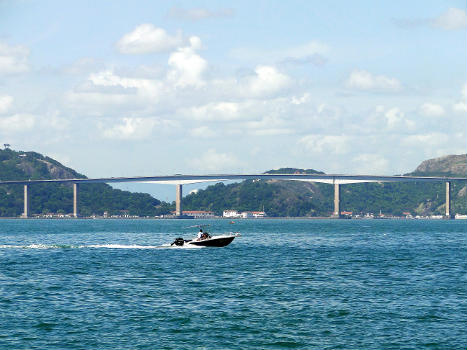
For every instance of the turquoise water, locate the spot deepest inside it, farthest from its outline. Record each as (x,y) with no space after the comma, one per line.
(285,284)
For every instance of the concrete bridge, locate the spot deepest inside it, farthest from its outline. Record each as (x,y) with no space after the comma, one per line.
(180,180)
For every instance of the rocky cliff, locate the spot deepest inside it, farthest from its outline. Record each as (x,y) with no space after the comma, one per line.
(452,165)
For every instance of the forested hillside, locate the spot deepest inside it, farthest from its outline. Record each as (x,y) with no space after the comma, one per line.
(277,198)
(58,198)
(294,198)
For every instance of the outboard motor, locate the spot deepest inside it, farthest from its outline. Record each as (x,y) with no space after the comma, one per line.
(178,241)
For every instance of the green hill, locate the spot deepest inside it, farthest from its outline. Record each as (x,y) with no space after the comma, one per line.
(295,198)
(57,198)
(277,198)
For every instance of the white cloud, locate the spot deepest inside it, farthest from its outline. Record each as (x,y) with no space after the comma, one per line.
(203,131)
(461,106)
(187,67)
(364,80)
(452,19)
(216,111)
(13,59)
(370,164)
(5,103)
(130,129)
(333,144)
(146,87)
(395,119)
(197,14)
(212,161)
(305,98)
(17,123)
(431,110)
(147,38)
(433,139)
(269,125)
(266,82)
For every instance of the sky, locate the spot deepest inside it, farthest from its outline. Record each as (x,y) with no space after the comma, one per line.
(141,88)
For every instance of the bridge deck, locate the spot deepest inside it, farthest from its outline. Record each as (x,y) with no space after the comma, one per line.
(187,179)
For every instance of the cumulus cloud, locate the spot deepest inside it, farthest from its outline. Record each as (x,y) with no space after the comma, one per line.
(391,119)
(203,131)
(146,87)
(13,59)
(432,139)
(5,103)
(147,38)
(305,98)
(187,67)
(213,161)
(215,111)
(452,19)
(269,125)
(366,81)
(130,129)
(16,123)
(431,110)
(333,144)
(461,106)
(197,14)
(370,163)
(266,82)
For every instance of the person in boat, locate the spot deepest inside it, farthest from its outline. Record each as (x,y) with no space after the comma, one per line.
(200,234)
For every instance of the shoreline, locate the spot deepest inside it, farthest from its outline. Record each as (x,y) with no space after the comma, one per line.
(226,219)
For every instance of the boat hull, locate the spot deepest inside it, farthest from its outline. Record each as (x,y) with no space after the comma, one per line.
(213,242)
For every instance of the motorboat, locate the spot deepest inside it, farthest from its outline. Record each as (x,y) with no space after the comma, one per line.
(211,241)
(206,240)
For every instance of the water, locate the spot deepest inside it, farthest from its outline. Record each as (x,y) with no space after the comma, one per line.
(285,284)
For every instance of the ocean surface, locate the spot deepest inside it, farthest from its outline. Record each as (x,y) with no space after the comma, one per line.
(285,284)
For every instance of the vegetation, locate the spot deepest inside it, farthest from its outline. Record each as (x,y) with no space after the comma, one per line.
(296,198)
(58,198)
(276,198)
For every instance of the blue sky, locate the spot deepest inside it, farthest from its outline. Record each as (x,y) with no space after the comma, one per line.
(120,88)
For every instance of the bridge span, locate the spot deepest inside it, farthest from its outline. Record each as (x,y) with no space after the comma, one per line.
(180,180)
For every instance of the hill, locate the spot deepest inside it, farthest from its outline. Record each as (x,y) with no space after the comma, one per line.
(452,165)
(294,198)
(57,198)
(277,198)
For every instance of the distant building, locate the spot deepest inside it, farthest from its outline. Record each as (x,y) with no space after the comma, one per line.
(199,214)
(230,214)
(243,215)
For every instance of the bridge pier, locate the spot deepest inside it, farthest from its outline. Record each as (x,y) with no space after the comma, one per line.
(337,199)
(75,200)
(448,200)
(26,202)
(178,201)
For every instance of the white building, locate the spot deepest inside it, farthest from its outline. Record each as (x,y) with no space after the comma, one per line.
(199,214)
(233,214)
(230,214)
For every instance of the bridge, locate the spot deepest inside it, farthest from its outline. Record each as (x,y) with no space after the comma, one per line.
(180,180)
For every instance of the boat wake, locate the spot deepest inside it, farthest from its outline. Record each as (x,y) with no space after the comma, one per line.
(94,246)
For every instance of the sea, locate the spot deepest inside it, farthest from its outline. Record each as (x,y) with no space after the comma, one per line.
(284,284)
